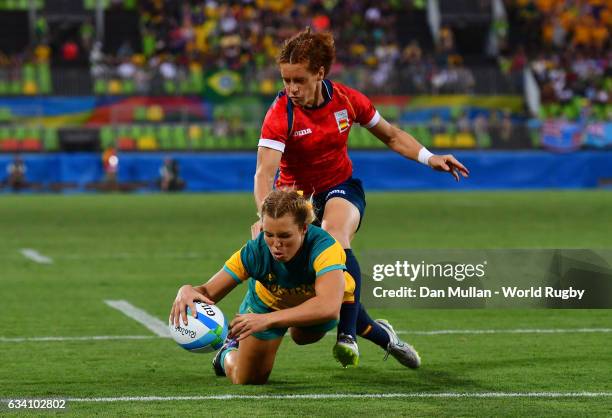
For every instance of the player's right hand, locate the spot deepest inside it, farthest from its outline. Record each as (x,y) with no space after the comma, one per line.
(256,228)
(186,297)
(449,164)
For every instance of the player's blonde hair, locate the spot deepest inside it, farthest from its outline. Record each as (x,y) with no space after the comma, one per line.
(316,49)
(281,202)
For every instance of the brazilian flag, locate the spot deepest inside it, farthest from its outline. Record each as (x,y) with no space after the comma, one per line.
(225,83)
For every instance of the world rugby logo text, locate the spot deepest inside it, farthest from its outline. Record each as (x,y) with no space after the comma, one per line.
(185,331)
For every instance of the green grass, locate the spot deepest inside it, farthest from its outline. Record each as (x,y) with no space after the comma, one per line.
(142,248)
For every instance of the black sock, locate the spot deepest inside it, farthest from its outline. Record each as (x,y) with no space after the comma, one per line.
(370,330)
(352,266)
(349,311)
(348,319)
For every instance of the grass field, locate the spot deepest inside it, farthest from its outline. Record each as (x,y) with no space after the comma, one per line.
(142,248)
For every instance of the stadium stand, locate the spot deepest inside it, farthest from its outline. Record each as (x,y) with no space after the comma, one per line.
(568,47)
(149,75)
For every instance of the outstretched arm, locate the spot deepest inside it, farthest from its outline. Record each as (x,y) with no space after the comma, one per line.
(212,291)
(405,144)
(268,161)
(324,306)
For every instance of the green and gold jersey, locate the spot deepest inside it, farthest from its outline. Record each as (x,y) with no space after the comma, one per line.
(282,285)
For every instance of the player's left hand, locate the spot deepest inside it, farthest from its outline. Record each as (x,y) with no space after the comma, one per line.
(449,164)
(244,325)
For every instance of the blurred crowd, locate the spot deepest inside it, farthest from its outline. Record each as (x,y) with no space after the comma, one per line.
(182,40)
(565,42)
(179,38)
(567,45)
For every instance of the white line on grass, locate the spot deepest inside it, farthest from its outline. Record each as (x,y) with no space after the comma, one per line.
(438,332)
(89,338)
(444,395)
(35,256)
(131,256)
(152,323)
(508,331)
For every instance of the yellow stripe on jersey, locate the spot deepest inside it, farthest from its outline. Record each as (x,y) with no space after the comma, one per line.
(266,296)
(235,266)
(349,288)
(282,298)
(330,257)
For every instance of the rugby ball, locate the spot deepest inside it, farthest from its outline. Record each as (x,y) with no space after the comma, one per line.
(203,334)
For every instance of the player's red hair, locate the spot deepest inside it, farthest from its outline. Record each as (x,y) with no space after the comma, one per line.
(315,49)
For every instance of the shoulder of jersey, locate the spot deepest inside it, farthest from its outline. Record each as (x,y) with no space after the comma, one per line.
(280,99)
(318,234)
(340,87)
(256,245)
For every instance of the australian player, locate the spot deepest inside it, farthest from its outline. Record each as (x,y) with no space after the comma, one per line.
(305,135)
(296,280)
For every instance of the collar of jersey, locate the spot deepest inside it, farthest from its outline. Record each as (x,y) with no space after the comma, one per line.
(328,93)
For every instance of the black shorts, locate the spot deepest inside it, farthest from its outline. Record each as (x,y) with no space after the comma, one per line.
(350,189)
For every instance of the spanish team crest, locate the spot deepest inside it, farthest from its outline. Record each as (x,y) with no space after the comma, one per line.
(342,120)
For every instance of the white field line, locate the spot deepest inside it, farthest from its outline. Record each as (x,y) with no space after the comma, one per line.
(438,332)
(129,256)
(442,395)
(155,325)
(508,331)
(89,338)
(35,256)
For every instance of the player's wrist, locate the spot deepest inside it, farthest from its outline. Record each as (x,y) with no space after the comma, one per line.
(424,156)
(269,320)
(200,289)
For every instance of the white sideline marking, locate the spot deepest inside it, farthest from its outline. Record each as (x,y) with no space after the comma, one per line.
(438,332)
(35,256)
(155,325)
(130,256)
(507,331)
(90,338)
(443,395)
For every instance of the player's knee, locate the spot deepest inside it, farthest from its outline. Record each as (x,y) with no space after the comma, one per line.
(306,340)
(303,338)
(251,381)
(258,378)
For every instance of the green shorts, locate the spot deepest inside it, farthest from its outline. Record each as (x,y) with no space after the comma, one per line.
(252,304)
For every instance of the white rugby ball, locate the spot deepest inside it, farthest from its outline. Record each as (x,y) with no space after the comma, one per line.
(203,334)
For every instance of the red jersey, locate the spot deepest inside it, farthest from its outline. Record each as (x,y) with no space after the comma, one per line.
(314,140)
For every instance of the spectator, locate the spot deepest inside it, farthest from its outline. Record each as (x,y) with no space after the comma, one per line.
(110,164)
(70,51)
(481,131)
(16,171)
(169,176)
